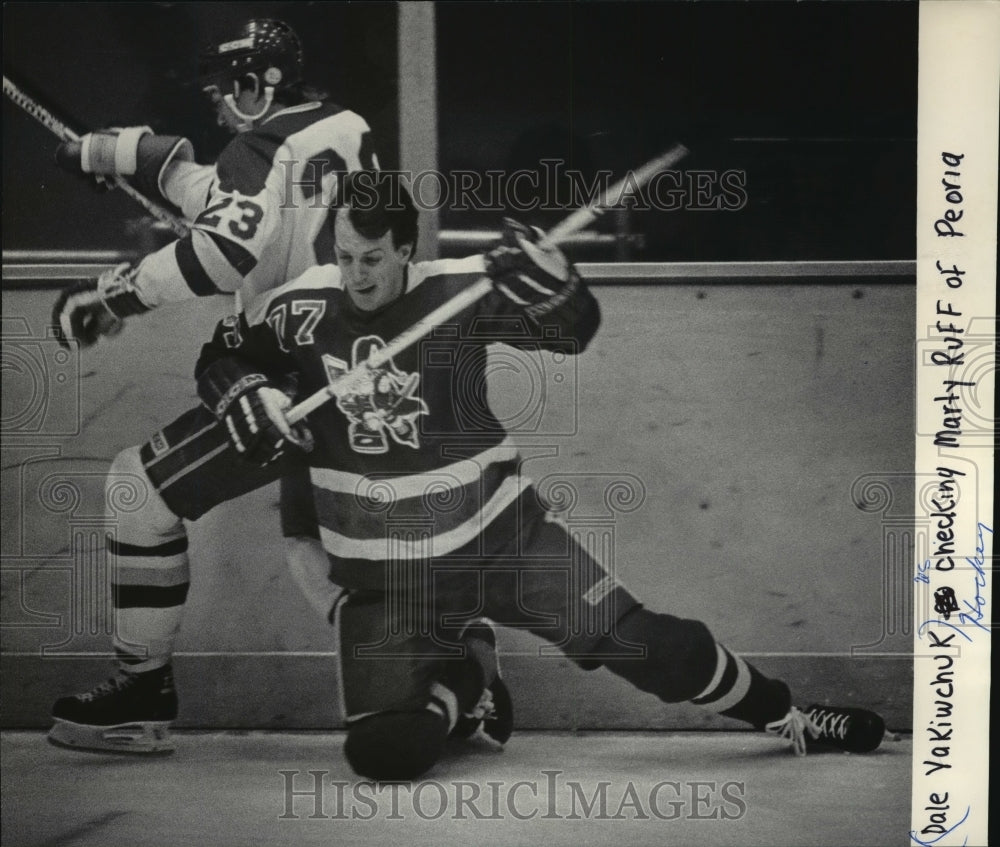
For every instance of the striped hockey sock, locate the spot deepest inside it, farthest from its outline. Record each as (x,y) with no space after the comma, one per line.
(738,690)
(149,588)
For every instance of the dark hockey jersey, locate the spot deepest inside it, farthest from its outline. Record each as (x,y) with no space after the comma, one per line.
(412,464)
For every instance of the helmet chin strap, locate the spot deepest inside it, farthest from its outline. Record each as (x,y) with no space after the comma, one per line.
(248,119)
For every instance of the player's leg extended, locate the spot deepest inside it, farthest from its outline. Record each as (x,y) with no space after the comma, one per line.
(182,472)
(403,689)
(596,621)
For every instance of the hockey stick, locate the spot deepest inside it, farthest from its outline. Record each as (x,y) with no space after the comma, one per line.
(355,379)
(54,125)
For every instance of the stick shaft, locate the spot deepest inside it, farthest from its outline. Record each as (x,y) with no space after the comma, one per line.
(575,222)
(581,218)
(56,126)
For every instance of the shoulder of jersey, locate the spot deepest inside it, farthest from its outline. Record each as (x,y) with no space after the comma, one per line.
(246,161)
(294,118)
(318,280)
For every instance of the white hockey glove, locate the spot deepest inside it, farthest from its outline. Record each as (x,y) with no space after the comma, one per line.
(255,421)
(533,275)
(94,307)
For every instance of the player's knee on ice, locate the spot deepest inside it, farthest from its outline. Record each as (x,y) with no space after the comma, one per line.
(395,745)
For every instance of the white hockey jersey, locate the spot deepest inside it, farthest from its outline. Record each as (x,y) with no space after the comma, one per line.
(259,211)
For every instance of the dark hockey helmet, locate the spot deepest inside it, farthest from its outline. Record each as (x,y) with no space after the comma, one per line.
(268,48)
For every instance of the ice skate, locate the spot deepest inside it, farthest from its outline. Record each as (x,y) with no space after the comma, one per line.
(830,728)
(129,713)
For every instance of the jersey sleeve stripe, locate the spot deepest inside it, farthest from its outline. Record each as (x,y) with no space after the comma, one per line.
(192,270)
(241,259)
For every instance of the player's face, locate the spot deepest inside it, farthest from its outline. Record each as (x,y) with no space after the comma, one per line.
(373,272)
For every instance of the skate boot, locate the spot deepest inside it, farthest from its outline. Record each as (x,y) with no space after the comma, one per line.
(494,713)
(830,728)
(130,713)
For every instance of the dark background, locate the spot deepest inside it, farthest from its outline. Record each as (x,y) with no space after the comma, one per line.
(815,102)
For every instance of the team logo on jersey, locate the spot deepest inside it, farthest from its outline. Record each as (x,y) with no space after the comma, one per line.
(381,405)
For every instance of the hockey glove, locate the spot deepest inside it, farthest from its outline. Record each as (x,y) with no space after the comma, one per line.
(255,422)
(134,152)
(94,307)
(102,154)
(106,152)
(531,274)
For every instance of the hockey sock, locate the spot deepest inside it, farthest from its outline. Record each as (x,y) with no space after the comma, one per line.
(148,552)
(683,662)
(148,594)
(738,690)
(679,658)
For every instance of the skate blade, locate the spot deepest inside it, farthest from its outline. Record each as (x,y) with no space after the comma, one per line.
(146,738)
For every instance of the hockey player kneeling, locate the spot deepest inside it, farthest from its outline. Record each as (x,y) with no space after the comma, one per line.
(423,513)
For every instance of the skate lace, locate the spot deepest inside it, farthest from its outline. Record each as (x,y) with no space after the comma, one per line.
(794,727)
(103,689)
(485,709)
(829,723)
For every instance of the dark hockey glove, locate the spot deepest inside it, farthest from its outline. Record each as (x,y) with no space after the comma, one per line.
(255,421)
(94,307)
(533,275)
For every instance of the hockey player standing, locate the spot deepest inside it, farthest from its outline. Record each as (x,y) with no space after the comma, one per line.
(258,220)
(422,504)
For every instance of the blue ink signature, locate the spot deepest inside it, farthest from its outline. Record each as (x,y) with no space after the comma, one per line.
(932,841)
(977,563)
(977,610)
(936,622)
